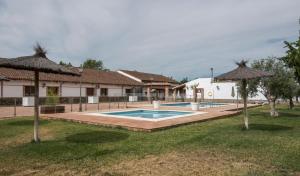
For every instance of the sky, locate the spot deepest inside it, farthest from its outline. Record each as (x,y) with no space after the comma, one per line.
(172,37)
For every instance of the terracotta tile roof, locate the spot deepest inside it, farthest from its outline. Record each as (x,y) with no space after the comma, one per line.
(88,76)
(149,76)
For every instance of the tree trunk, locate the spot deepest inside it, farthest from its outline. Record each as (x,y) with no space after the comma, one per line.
(195,94)
(36,107)
(244,91)
(291,103)
(237,100)
(297,99)
(273,111)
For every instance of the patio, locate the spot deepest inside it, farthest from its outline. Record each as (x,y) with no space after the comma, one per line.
(142,125)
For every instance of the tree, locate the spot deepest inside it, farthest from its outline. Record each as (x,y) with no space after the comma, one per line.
(272,87)
(184,80)
(290,89)
(194,88)
(65,64)
(292,58)
(297,93)
(94,64)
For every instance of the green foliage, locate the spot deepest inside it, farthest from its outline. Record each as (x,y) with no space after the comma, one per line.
(194,88)
(94,64)
(65,64)
(52,98)
(184,80)
(290,88)
(271,145)
(292,58)
(275,86)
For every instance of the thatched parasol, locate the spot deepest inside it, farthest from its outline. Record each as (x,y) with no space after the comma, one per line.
(3,78)
(243,73)
(37,63)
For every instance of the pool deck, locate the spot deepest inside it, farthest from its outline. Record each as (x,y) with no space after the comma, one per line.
(143,125)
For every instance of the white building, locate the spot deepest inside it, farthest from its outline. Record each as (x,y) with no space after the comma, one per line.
(216,90)
(93,83)
(155,85)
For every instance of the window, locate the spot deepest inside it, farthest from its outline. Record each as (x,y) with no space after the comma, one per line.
(104,92)
(90,91)
(52,91)
(128,91)
(28,91)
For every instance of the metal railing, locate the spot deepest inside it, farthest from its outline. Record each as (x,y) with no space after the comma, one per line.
(13,106)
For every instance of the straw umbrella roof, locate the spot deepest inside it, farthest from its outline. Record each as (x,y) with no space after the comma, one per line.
(3,78)
(2,60)
(242,72)
(36,62)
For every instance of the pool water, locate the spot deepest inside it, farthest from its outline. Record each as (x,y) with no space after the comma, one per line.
(149,114)
(201,104)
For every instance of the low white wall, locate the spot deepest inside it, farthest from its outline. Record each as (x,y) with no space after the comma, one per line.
(14,88)
(73,90)
(220,90)
(115,90)
(12,91)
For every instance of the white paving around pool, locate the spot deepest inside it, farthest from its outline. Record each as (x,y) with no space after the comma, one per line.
(103,114)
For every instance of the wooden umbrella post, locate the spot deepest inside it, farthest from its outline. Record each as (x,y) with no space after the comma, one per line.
(36,107)
(243,73)
(244,85)
(237,99)
(38,62)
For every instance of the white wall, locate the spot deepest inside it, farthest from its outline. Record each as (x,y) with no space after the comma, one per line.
(73,89)
(14,88)
(220,90)
(115,90)
(12,91)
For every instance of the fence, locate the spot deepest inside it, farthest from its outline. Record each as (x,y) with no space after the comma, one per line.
(13,106)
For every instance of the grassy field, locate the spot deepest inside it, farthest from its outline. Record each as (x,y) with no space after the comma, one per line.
(220,147)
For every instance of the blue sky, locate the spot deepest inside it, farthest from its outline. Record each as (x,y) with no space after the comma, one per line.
(171,37)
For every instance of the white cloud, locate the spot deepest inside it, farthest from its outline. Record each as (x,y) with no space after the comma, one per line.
(178,38)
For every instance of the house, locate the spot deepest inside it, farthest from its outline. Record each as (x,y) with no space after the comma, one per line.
(93,83)
(154,84)
(207,89)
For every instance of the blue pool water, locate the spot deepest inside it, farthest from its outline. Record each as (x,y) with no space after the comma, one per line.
(201,104)
(149,114)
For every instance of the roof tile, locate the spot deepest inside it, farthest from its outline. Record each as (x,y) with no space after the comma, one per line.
(88,76)
(149,76)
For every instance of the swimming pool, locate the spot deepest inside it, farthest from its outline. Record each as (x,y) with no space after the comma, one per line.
(149,115)
(201,104)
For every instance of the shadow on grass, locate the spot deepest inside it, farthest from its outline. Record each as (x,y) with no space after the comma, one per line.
(286,114)
(26,123)
(97,137)
(269,127)
(259,113)
(60,151)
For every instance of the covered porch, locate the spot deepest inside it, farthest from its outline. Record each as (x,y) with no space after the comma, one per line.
(159,91)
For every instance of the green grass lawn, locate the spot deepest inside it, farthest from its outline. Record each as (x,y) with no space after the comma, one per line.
(219,147)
